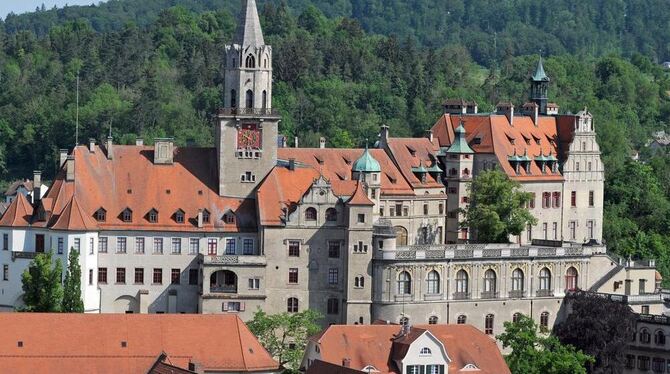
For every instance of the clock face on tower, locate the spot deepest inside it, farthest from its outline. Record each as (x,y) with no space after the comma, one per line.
(249,136)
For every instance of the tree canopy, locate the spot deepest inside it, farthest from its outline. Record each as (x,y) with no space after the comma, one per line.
(72,301)
(42,287)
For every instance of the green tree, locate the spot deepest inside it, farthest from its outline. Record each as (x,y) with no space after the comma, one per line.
(42,288)
(72,302)
(497,209)
(285,335)
(538,354)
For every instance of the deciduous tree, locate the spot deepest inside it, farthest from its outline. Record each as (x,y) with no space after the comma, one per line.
(42,288)
(72,302)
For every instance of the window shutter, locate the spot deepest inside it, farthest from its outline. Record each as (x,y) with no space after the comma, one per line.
(225,307)
(441,369)
(241,307)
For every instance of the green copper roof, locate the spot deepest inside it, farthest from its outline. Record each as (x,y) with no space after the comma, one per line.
(419,169)
(435,169)
(460,145)
(366,163)
(541,158)
(540,75)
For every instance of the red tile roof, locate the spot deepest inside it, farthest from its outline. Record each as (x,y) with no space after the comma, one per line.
(93,343)
(360,197)
(18,213)
(282,189)
(367,345)
(412,152)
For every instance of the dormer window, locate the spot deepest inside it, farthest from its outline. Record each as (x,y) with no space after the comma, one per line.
(101,215)
(127,215)
(412,151)
(152,216)
(229,218)
(179,216)
(205,216)
(425,351)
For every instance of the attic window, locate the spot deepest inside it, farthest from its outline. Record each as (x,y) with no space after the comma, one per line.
(124,344)
(153,216)
(229,218)
(425,351)
(179,216)
(168,192)
(205,216)
(129,191)
(101,215)
(391,178)
(19,344)
(340,176)
(370,369)
(319,160)
(346,160)
(127,215)
(477,140)
(510,138)
(411,150)
(200,192)
(470,367)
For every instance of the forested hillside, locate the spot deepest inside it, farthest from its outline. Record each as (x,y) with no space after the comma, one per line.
(147,71)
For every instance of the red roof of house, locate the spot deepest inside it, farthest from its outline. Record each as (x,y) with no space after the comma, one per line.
(365,345)
(18,213)
(360,197)
(413,152)
(94,343)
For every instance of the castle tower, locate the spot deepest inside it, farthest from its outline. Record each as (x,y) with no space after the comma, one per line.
(539,88)
(367,169)
(246,136)
(458,163)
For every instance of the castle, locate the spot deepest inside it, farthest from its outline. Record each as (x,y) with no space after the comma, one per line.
(356,234)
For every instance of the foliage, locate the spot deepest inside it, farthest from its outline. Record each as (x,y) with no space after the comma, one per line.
(42,289)
(285,335)
(72,302)
(538,354)
(599,327)
(497,209)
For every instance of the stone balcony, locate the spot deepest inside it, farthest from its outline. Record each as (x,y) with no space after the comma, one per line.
(233,260)
(23,255)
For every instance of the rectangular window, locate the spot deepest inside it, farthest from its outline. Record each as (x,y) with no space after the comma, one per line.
(254,283)
(102,245)
(158,276)
(294,248)
(425,209)
(529,233)
(120,275)
(230,246)
(434,369)
(464,234)
(361,218)
(193,247)
(212,245)
(405,211)
(591,199)
(233,306)
(5,242)
(643,283)
(334,249)
(333,276)
(5,272)
(139,275)
(557,200)
(373,193)
(61,245)
(381,211)
(158,246)
(91,246)
(573,230)
(554,229)
(139,245)
(77,245)
(175,276)
(544,231)
(248,247)
(441,209)
(589,228)
(546,200)
(391,211)
(90,277)
(120,245)
(532,200)
(293,275)
(398,209)
(193,277)
(176,246)
(573,199)
(102,275)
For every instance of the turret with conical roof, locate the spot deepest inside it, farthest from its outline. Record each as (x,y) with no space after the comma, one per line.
(539,87)
(249,31)
(460,145)
(366,163)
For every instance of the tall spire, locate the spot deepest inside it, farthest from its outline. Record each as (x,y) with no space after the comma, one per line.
(540,75)
(249,30)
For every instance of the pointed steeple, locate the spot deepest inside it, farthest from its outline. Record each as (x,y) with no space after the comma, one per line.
(540,75)
(460,144)
(249,32)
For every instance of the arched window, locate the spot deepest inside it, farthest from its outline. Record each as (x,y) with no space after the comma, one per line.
(310,214)
(659,337)
(433,281)
(404,321)
(233,98)
(545,279)
(404,283)
(250,99)
(223,281)
(265,99)
(571,279)
(359,282)
(544,321)
(292,305)
(432,320)
(488,324)
(489,284)
(331,215)
(645,336)
(425,351)
(461,320)
(462,287)
(400,236)
(466,172)
(516,317)
(250,62)
(517,280)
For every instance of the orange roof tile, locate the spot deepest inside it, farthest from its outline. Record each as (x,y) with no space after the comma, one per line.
(280,190)
(18,214)
(70,343)
(412,152)
(73,218)
(367,345)
(360,197)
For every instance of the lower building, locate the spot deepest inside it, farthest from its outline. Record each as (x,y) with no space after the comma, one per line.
(119,343)
(649,351)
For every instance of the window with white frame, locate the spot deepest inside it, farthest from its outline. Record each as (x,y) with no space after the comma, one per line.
(102,244)
(158,246)
(254,283)
(139,245)
(230,246)
(248,246)
(77,245)
(61,245)
(333,276)
(91,246)
(176,246)
(121,244)
(194,245)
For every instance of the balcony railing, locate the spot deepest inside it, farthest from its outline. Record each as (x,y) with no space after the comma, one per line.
(517,294)
(489,295)
(461,295)
(248,112)
(23,255)
(488,251)
(545,293)
(222,288)
(432,296)
(234,260)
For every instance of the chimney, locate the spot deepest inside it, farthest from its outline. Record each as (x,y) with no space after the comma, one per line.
(322,142)
(383,136)
(536,115)
(508,110)
(37,186)
(163,151)
(91,145)
(139,142)
(295,144)
(346,362)
(200,219)
(110,151)
(69,166)
(63,157)
(291,163)
(429,135)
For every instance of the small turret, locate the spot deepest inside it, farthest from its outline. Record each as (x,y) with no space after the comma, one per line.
(539,88)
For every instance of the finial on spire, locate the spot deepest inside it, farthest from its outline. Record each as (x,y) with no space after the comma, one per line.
(249,31)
